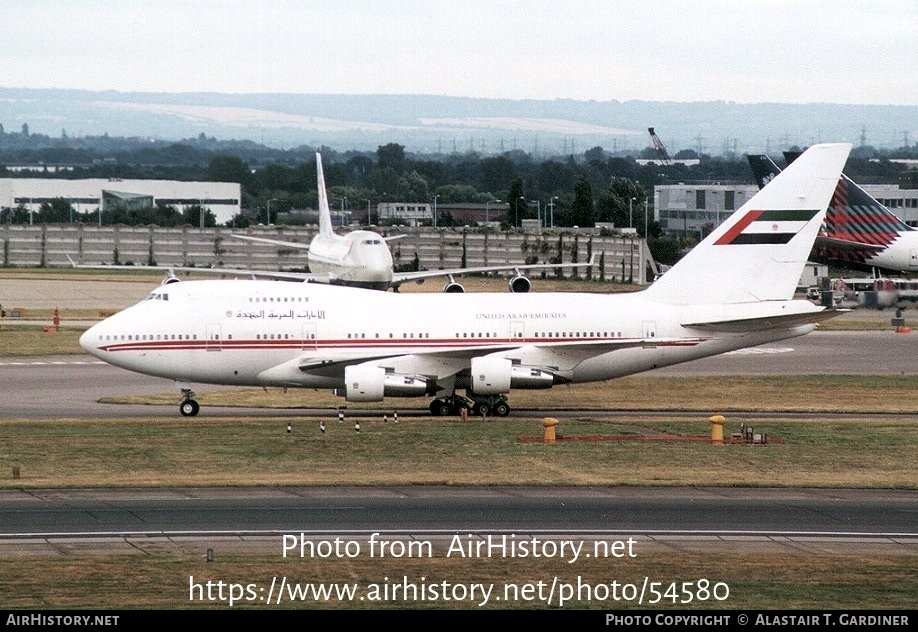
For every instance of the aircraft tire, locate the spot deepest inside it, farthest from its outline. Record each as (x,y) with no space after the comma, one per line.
(189,408)
(502,409)
(440,407)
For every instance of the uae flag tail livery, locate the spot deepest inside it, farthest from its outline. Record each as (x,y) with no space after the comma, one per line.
(767,227)
(759,252)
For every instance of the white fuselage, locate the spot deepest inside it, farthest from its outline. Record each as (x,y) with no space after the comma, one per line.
(360,258)
(273,333)
(901,254)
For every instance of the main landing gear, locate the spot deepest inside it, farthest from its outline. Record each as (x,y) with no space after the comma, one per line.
(188,407)
(482,406)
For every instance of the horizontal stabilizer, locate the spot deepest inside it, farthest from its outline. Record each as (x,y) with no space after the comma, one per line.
(761,323)
(846,244)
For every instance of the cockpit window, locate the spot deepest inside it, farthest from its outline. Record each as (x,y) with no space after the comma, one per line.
(157,296)
(372,242)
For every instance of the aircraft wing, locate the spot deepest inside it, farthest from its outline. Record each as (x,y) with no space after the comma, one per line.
(275,242)
(234,272)
(440,364)
(400,278)
(297,244)
(761,323)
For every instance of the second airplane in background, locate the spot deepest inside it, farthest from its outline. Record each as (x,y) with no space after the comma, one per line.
(857,229)
(361,258)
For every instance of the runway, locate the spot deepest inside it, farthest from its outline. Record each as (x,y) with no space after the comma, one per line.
(61,522)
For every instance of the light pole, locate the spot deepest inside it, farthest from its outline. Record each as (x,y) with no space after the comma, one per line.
(551,205)
(538,210)
(368,212)
(269,210)
(435,211)
(488,210)
(630,213)
(645,218)
(716,207)
(516,210)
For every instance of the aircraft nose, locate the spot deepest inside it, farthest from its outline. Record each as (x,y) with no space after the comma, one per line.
(89,340)
(378,267)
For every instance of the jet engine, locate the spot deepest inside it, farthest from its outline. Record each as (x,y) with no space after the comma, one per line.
(520,284)
(494,376)
(453,287)
(365,383)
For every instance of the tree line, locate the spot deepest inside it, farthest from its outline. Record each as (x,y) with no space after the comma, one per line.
(595,186)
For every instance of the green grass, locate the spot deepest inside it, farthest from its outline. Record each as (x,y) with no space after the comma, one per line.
(648,392)
(593,451)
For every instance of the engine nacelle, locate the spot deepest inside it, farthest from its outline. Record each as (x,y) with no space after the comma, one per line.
(520,284)
(364,383)
(531,378)
(491,375)
(397,385)
(495,376)
(453,288)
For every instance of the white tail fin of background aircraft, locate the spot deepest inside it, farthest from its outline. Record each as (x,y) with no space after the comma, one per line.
(325,223)
(759,252)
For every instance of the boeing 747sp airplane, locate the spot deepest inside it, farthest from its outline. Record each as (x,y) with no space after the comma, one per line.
(734,290)
(361,258)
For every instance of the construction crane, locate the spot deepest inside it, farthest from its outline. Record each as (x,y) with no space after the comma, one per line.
(658,145)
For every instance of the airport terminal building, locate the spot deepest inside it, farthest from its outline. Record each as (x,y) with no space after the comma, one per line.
(223,199)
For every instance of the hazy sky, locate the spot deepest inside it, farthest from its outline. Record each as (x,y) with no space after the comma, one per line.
(788,51)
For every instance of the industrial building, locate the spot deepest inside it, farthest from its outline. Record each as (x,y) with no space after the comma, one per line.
(223,199)
(695,209)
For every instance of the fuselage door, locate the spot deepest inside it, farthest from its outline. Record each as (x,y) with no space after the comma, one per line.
(308,336)
(913,259)
(650,329)
(213,341)
(517,330)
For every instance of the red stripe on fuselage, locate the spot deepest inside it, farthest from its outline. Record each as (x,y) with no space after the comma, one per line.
(403,346)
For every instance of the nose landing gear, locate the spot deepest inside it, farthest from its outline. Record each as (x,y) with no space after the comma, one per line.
(189,407)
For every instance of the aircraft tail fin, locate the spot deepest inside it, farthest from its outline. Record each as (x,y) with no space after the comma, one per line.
(856,226)
(759,252)
(325,223)
(764,168)
(856,216)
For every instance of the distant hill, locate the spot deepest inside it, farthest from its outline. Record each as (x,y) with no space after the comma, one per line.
(440,124)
